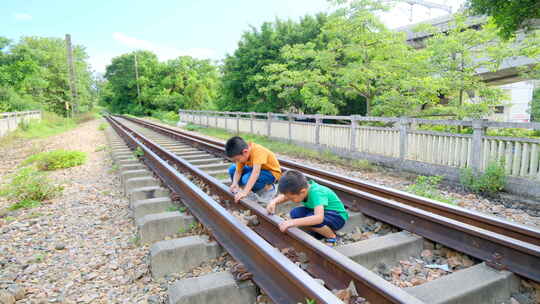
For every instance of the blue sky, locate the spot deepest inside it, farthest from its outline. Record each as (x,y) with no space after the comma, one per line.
(203,28)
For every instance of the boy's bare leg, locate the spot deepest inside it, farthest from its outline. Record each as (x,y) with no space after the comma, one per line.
(325,231)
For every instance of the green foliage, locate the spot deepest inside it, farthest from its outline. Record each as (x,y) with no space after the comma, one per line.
(453,56)
(28,186)
(510,16)
(100,148)
(170,117)
(84,117)
(164,87)
(427,186)
(138,152)
(244,75)
(356,58)
(512,132)
(34,75)
(26,204)
(50,124)
(103,126)
(491,181)
(535,106)
(56,159)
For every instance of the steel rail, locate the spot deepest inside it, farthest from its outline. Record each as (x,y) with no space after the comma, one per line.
(474,218)
(334,268)
(282,280)
(499,250)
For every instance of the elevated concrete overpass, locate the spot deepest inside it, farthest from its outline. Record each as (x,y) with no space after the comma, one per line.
(509,69)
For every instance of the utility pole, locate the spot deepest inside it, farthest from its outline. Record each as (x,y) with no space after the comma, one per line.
(137,77)
(72,79)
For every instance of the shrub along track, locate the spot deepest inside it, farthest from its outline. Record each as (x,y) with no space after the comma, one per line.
(501,244)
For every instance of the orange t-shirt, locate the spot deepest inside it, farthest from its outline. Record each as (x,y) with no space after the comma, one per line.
(259,155)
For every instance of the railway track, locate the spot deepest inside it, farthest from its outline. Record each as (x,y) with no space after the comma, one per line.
(502,245)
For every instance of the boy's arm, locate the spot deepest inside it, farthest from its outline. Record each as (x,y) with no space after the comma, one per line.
(252,179)
(271,208)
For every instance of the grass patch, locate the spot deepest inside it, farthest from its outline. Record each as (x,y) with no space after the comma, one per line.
(177,208)
(489,182)
(56,159)
(28,187)
(103,126)
(100,148)
(427,186)
(288,149)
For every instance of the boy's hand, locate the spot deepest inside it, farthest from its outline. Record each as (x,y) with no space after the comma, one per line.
(240,195)
(283,226)
(234,188)
(271,208)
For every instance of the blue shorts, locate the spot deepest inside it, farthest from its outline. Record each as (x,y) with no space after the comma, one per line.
(265,177)
(331,219)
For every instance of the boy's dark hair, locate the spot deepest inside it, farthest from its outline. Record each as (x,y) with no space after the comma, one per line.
(234,146)
(292,182)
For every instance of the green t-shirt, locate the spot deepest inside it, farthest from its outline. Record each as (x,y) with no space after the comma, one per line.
(321,195)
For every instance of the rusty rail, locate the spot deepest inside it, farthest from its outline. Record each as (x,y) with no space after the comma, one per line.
(283,281)
(333,267)
(502,244)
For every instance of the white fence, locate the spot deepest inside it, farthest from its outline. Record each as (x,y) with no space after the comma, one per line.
(9,121)
(400,141)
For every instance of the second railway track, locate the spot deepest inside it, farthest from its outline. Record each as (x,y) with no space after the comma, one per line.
(502,245)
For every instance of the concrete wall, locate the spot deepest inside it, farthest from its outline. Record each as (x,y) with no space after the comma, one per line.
(9,121)
(400,145)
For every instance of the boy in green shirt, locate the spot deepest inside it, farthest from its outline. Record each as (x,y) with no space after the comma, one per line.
(323,212)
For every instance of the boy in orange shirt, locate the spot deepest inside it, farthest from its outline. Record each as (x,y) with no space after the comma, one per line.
(256,169)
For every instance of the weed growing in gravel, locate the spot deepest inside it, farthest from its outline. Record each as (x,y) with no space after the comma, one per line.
(9,219)
(102,126)
(491,181)
(138,152)
(100,148)
(39,258)
(136,240)
(176,208)
(56,159)
(114,168)
(426,186)
(28,187)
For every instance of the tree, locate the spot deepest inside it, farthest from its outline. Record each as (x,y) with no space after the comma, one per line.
(509,15)
(33,74)
(456,56)
(183,82)
(356,57)
(258,48)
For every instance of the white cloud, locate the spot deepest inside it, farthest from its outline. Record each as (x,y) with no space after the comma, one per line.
(162,51)
(22,17)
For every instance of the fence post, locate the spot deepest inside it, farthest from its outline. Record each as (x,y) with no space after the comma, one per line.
(403,129)
(318,121)
(476,145)
(289,117)
(268,123)
(251,118)
(238,124)
(354,130)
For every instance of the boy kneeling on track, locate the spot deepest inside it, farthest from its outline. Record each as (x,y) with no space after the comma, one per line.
(323,212)
(256,168)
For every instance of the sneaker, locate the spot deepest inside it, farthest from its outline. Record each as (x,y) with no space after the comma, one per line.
(265,196)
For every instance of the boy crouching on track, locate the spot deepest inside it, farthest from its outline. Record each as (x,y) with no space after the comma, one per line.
(323,212)
(256,168)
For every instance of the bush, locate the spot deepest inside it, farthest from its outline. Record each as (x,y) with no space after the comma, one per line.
(102,126)
(29,186)
(491,181)
(427,186)
(84,117)
(57,159)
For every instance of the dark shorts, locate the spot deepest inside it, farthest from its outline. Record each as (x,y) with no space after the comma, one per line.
(331,219)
